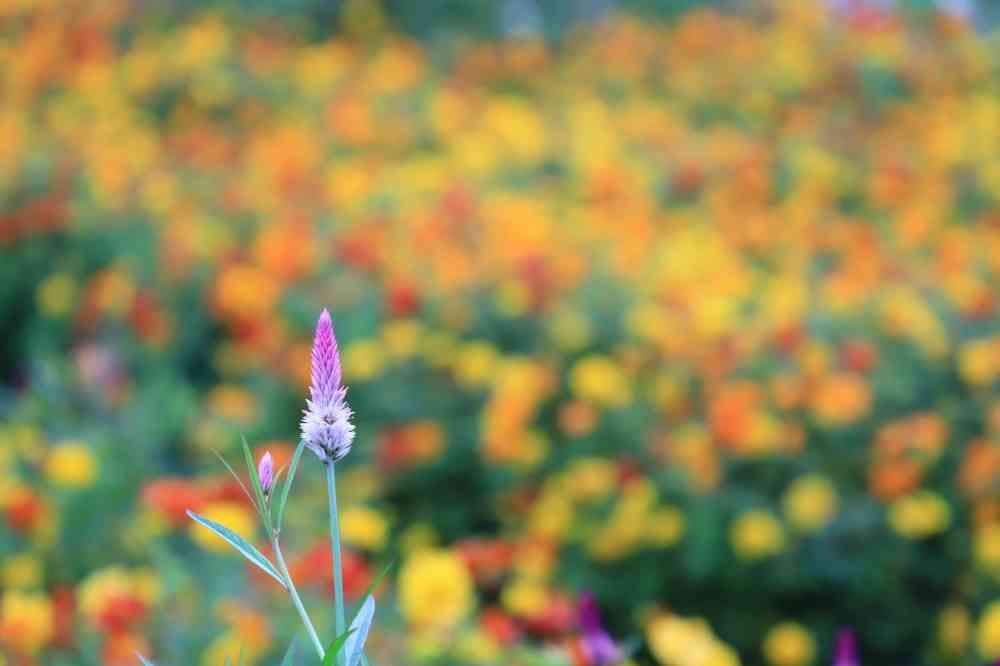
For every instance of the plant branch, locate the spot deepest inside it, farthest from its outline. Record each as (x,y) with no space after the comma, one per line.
(296,601)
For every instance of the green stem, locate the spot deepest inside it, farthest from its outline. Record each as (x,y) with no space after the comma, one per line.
(296,601)
(338,571)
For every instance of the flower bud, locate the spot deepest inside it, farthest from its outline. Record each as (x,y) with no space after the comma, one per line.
(265,472)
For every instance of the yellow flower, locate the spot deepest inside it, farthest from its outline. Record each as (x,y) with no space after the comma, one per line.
(224,650)
(591,478)
(988,632)
(757,534)
(363,360)
(22,571)
(26,621)
(71,465)
(789,644)
(979,362)
(954,627)
(920,515)
(364,527)
(810,503)
(987,548)
(665,526)
(234,516)
(478,647)
(56,294)
(525,596)
(600,380)
(402,338)
(475,364)
(435,589)
(679,641)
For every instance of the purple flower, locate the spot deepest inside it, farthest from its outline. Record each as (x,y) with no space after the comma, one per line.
(846,653)
(265,472)
(326,423)
(598,645)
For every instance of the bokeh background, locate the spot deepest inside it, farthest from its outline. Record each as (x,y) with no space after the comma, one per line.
(691,306)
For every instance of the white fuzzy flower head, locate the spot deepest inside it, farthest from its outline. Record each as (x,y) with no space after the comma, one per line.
(327,429)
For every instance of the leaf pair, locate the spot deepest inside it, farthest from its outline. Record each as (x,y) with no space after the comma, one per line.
(260,500)
(263,507)
(352,641)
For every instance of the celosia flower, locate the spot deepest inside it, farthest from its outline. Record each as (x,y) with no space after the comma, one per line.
(326,424)
(265,472)
(846,653)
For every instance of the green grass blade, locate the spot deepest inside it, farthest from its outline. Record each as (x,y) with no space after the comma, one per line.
(286,488)
(370,592)
(236,476)
(245,548)
(335,647)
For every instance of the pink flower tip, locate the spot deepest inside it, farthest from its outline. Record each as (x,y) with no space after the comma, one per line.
(325,376)
(265,472)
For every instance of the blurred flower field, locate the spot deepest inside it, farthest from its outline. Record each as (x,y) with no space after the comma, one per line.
(699,318)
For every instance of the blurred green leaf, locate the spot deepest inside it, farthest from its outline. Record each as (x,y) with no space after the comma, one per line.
(335,647)
(289,657)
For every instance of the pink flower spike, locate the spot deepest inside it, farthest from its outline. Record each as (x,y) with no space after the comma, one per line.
(326,422)
(325,383)
(265,472)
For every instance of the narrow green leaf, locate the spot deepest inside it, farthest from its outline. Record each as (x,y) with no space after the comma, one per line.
(283,499)
(289,658)
(245,548)
(144,661)
(335,646)
(265,511)
(360,626)
(370,592)
(238,479)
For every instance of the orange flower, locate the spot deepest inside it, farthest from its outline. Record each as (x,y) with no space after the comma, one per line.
(245,293)
(841,399)
(173,497)
(980,468)
(732,411)
(315,567)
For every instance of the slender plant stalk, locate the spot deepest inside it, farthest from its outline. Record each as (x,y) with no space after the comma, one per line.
(296,601)
(338,571)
